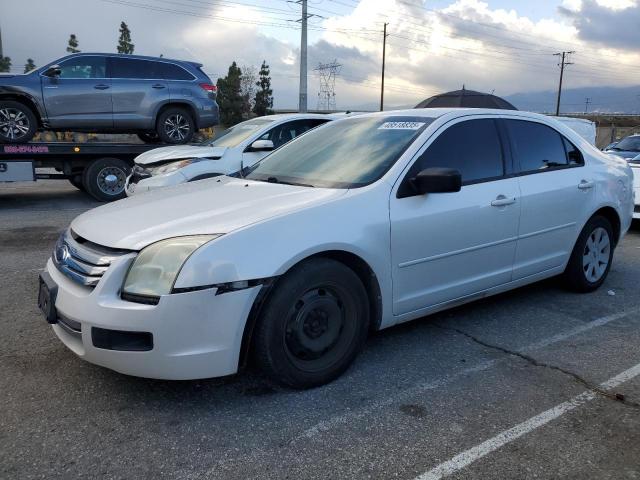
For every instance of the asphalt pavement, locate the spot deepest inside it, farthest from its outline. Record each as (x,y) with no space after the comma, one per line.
(536,383)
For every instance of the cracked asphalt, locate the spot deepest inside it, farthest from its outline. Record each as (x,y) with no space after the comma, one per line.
(418,396)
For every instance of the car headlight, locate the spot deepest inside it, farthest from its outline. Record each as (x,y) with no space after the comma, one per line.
(173,166)
(156,267)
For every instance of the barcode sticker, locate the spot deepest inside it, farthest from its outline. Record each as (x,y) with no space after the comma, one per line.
(401,126)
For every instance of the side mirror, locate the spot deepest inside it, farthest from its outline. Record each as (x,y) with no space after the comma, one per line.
(437,180)
(261,146)
(53,71)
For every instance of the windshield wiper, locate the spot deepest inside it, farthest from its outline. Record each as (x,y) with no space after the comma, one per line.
(276,180)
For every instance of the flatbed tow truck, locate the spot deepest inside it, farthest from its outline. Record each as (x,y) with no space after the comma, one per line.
(99,169)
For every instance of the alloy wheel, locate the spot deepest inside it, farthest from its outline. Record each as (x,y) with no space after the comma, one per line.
(14,124)
(177,127)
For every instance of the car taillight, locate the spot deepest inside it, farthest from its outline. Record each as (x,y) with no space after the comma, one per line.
(209,88)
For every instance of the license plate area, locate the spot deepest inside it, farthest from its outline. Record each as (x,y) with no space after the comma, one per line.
(47,292)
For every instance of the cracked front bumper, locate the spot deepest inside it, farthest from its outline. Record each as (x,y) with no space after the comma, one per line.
(195,335)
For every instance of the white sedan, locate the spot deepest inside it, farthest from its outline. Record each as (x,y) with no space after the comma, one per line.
(240,147)
(359,225)
(635,167)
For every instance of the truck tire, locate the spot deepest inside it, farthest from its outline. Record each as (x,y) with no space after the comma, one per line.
(175,126)
(18,123)
(104,179)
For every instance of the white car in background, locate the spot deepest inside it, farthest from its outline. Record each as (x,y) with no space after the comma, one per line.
(634,163)
(239,147)
(359,225)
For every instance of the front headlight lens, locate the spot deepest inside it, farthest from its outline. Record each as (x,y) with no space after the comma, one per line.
(173,166)
(156,267)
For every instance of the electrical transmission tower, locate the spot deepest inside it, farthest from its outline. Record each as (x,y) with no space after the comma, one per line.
(327,94)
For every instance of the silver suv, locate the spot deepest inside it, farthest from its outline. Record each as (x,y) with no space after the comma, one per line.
(159,99)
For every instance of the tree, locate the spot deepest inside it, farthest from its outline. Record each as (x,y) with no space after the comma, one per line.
(29,65)
(72,47)
(248,89)
(124,42)
(264,95)
(5,64)
(230,96)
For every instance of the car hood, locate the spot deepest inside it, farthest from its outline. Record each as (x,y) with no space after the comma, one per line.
(162,154)
(626,154)
(216,205)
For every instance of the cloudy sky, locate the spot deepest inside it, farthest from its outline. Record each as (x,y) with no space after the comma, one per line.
(433,45)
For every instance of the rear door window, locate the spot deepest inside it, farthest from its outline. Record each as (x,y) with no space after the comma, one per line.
(134,69)
(472,147)
(537,147)
(170,71)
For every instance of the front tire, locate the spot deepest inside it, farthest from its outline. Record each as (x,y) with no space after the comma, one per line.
(313,324)
(18,124)
(104,179)
(591,257)
(175,126)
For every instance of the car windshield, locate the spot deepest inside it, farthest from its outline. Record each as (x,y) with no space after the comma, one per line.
(630,144)
(344,154)
(236,135)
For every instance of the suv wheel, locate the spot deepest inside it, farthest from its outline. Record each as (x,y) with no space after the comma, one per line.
(104,179)
(176,126)
(18,124)
(313,324)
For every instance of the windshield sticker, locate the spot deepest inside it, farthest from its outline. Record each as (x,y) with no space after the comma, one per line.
(401,126)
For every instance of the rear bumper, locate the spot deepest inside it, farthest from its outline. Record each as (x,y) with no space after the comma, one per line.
(208,114)
(194,335)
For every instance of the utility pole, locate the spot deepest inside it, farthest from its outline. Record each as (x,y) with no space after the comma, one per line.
(0,43)
(384,53)
(302,102)
(562,64)
(587,101)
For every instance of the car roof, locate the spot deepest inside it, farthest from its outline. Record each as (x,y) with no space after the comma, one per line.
(136,57)
(455,112)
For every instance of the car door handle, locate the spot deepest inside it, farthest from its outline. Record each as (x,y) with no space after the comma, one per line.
(502,201)
(158,86)
(585,185)
(101,86)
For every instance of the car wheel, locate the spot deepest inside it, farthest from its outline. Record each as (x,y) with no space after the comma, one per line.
(176,126)
(149,137)
(591,257)
(312,325)
(18,124)
(104,179)
(76,181)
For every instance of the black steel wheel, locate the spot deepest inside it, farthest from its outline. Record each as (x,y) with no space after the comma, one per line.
(18,124)
(104,179)
(312,325)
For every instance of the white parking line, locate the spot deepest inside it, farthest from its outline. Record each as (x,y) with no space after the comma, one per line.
(467,457)
(352,415)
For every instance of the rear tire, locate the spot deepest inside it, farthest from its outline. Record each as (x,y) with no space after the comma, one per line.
(175,126)
(313,324)
(18,123)
(591,257)
(104,179)
(76,181)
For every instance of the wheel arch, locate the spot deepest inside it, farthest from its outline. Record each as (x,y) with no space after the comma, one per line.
(612,215)
(28,102)
(178,103)
(354,262)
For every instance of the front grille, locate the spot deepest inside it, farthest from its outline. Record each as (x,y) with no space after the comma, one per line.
(82,261)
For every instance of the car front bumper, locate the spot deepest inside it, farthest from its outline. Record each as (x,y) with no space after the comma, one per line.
(195,335)
(134,186)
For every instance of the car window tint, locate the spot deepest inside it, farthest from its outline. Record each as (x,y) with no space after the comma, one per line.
(574,155)
(536,146)
(84,67)
(286,132)
(473,147)
(133,68)
(170,71)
